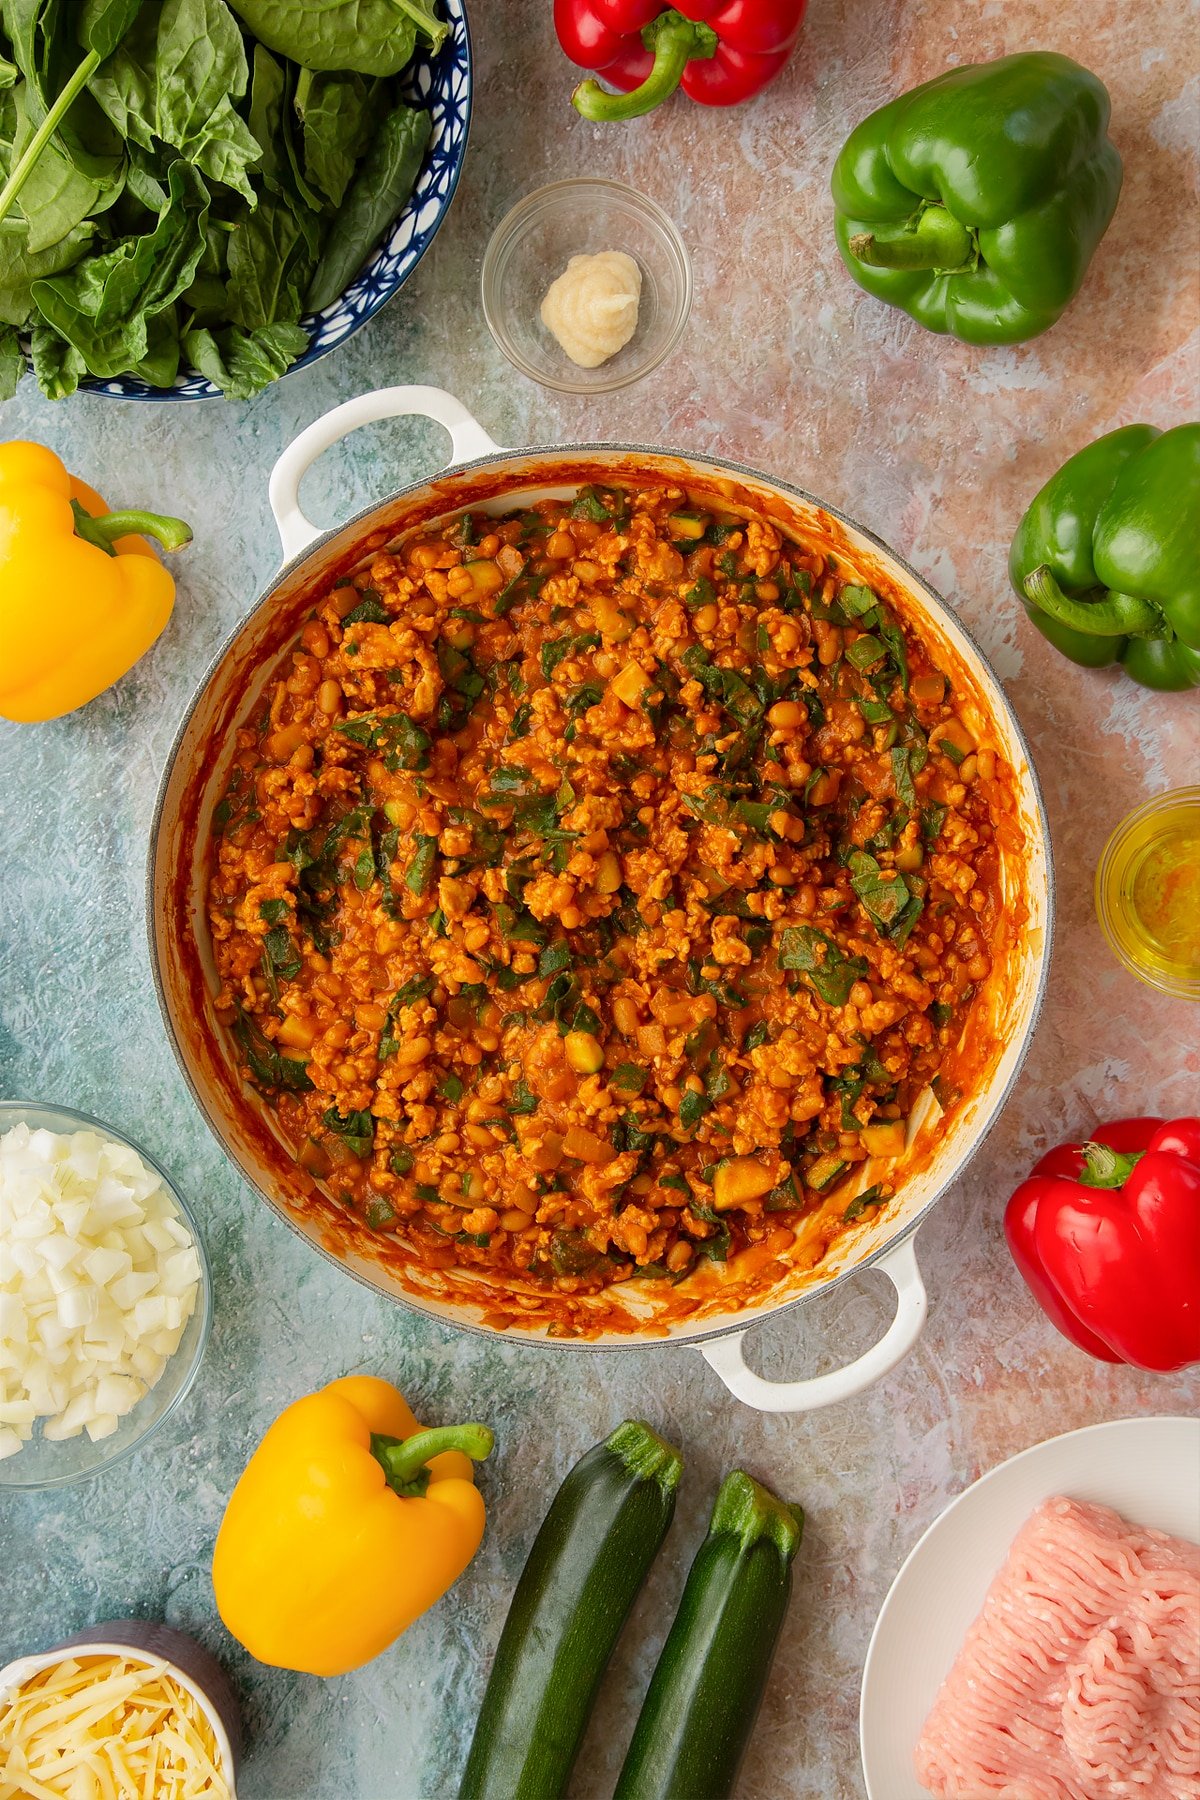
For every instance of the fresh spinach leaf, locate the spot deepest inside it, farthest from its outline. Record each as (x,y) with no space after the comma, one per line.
(177,77)
(103,305)
(20,268)
(12,362)
(376,195)
(268,99)
(272,253)
(57,364)
(55,196)
(337,113)
(103,23)
(373,37)
(242,363)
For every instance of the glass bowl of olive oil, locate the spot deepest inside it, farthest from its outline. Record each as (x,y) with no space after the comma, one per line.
(1148,892)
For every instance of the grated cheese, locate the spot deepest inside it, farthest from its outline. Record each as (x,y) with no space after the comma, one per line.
(107,1728)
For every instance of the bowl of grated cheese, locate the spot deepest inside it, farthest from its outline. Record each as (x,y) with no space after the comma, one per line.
(129,1707)
(105,1296)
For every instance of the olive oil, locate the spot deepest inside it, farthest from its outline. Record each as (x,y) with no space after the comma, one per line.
(1148,892)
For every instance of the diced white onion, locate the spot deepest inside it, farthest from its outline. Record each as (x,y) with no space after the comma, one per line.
(98,1279)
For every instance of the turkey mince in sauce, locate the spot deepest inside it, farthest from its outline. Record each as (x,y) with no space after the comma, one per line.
(599,889)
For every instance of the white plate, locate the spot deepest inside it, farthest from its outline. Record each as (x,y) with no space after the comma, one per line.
(1146,1469)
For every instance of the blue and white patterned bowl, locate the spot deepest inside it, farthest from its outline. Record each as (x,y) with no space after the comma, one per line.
(440,82)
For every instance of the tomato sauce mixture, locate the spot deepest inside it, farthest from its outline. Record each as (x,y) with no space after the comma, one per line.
(600,889)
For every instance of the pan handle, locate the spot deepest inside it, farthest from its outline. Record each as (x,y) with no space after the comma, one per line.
(724,1355)
(468,440)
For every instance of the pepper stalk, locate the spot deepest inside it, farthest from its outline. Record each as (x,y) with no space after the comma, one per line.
(1104,1167)
(932,239)
(404,1460)
(1117,615)
(675,42)
(104,529)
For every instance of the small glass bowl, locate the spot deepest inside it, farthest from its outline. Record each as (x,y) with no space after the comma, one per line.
(1148,892)
(532,245)
(42,1464)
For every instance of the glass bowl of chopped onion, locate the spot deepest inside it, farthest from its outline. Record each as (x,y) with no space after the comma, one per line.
(544,239)
(105,1296)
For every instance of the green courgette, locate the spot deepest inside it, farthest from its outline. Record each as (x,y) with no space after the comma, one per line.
(587,1564)
(705,1693)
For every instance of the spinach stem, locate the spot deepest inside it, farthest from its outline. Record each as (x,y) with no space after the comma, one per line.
(431,27)
(45,131)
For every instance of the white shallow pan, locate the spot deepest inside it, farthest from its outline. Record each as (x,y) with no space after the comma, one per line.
(484,476)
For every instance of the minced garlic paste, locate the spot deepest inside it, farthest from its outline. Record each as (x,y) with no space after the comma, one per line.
(592,307)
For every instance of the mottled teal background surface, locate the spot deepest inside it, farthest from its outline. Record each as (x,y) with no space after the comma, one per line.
(935,446)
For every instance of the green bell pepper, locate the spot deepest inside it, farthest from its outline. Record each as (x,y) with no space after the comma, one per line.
(1107,559)
(976,201)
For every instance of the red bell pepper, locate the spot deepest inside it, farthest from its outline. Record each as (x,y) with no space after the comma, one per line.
(1107,1235)
(719,52)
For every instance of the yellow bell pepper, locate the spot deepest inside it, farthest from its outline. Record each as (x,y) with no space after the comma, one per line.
(82,595)
(349,1521)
